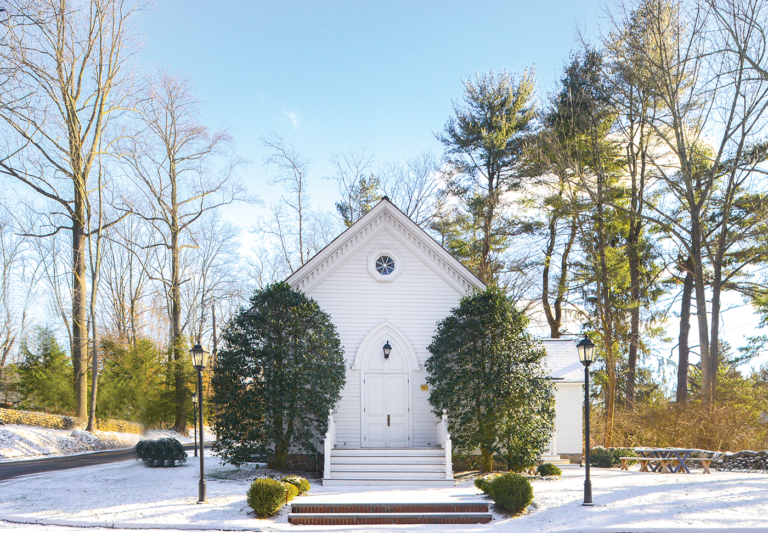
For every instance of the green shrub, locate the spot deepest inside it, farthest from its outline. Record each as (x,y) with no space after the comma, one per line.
(291,491)
(299,482)
(162,452)
(609,457)
(548,469)
(483,481)
(511,491)
(267,496)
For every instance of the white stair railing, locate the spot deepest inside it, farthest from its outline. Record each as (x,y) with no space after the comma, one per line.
(330,442)
(444,438)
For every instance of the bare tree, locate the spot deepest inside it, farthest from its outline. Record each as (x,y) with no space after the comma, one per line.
(125,280)
(415,186)
(745,25)
(295,231)
(181,172)
(64,70)
(711,112)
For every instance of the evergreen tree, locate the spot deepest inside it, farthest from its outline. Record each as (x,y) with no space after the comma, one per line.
(278,376)
(45,375)
(362,196)
(136,384)
(483,145)
(487,372)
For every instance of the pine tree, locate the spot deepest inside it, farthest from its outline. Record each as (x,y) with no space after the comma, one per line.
(46,375)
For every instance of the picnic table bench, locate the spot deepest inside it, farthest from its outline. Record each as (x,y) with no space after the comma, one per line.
(666,460)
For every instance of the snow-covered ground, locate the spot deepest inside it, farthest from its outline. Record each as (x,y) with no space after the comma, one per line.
(130,495)
(30,442)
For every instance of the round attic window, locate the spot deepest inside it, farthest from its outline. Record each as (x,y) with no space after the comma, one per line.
(385,265)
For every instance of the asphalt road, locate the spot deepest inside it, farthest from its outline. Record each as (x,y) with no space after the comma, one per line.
(14,469)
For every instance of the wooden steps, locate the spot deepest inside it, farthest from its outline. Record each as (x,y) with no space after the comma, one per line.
(331,514)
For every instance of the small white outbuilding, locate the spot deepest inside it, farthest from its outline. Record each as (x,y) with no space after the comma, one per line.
(386,284)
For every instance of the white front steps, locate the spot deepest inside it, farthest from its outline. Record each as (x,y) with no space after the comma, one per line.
(555,460)
(388,466)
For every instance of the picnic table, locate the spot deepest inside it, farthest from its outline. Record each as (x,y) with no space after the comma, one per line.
(666,460)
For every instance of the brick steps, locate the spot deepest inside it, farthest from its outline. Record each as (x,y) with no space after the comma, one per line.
(328,514)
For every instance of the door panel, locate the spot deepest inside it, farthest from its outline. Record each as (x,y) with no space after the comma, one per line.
(386,407)
(397,409)
(376,408)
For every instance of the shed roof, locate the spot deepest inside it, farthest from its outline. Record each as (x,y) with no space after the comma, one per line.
(563,360)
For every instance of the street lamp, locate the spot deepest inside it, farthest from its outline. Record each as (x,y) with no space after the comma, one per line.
(586,350)
(194,407)
(199,361)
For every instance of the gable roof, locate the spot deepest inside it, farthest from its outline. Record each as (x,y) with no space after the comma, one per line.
(563,361)
(385,216)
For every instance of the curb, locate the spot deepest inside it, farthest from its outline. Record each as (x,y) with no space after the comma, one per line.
(24,520)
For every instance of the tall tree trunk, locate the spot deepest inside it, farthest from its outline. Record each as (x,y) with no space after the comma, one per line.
(79,308)
(634,333)
(701,310)
(181,396)
(685,328)
(554,325)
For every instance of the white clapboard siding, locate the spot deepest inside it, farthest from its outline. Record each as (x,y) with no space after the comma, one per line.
(414,302)
(570,407)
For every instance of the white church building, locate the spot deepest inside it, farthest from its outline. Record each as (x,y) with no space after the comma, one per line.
(386,284)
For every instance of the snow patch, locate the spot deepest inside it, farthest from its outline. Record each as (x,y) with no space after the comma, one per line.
(30,442)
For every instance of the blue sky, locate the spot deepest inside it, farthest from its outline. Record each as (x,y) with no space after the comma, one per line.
(338,76)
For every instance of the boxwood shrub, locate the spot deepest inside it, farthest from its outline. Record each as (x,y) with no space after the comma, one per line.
(291,491)
(299,482)
(162,452)
(548,469)
(609,457)
(267,496)
(483,481)
(511,491)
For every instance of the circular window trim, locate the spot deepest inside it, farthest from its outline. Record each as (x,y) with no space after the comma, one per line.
(395,258)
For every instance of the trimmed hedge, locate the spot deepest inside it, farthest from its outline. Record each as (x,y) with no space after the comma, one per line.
(47,420)
(267,496)
(162,452)
(548,469)
(512,491)
(609,457)
(291,491)
(299,482)
(483,481)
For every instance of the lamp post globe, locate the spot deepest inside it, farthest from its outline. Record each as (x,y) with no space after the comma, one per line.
(200,361)
(586,349)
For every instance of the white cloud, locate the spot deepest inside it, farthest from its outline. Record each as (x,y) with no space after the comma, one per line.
(292,116)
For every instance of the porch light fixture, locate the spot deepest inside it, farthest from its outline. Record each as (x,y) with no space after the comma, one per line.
(586,349)
(387,350)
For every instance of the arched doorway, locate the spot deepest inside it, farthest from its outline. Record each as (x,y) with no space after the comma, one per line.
(386,397)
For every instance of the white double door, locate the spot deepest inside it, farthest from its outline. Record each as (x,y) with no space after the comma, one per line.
(387,410)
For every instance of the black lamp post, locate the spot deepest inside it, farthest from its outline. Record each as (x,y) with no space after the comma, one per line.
(387,350)
(200,360)
(194,407)
(586,350)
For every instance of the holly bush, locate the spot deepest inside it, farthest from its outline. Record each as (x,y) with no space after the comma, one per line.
(161,452)
(278,375)
(488,373)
